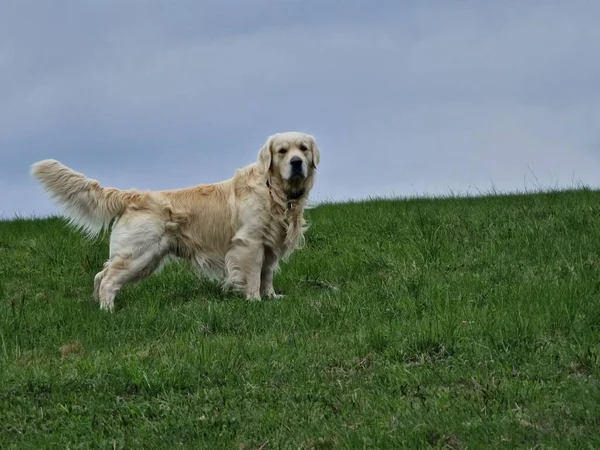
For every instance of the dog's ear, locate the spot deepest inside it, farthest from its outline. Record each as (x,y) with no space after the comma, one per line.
(316,154)
(265,156)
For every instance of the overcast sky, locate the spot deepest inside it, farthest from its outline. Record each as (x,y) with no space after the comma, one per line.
(404,97)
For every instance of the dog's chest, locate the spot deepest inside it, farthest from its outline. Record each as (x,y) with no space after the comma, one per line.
(276,231)
(284,235)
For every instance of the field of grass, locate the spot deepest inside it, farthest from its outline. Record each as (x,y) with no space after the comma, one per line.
(444,323)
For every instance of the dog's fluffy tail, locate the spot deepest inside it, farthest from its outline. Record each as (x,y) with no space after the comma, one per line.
(87,205)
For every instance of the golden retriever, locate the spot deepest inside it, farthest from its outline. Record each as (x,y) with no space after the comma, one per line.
(235,230)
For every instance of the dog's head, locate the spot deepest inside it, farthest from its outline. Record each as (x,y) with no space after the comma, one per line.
(291,157)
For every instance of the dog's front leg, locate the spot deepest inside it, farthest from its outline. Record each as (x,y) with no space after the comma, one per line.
(267,273)
(252,269)
(244,263)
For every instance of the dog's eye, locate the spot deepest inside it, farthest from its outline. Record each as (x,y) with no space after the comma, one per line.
(303,147)
(281,151)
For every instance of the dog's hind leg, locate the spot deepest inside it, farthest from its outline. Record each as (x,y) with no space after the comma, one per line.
(98,281)
(138,246)
(122,270)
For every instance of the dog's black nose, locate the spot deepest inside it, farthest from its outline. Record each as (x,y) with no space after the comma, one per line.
(296,163)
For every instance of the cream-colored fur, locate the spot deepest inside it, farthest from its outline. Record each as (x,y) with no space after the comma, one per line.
(236,230)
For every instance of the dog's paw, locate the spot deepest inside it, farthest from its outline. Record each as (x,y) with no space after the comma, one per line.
(253,298)
(105,306)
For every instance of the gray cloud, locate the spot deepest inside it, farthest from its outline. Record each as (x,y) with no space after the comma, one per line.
(404,97)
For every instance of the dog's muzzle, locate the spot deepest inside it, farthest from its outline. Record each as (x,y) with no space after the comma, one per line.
(296,166)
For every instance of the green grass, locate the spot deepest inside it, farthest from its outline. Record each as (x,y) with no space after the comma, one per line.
(407,324)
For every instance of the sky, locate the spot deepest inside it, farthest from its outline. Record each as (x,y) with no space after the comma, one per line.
(404,97)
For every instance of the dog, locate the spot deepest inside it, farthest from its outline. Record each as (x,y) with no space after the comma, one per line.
(236,231)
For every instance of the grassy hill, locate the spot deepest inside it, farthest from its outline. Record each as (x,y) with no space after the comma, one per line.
(411,323)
